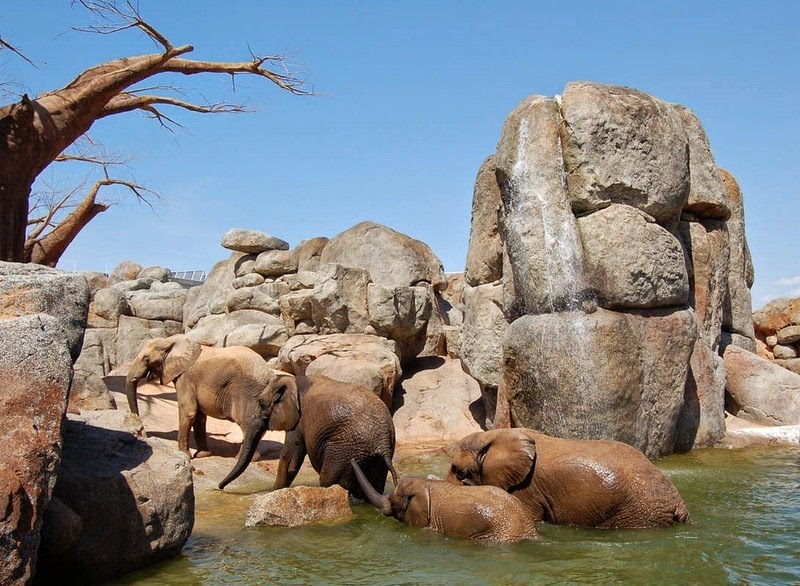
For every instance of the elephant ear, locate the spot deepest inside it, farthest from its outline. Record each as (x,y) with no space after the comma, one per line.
(414,506)
(508,461)
(285,402)
(180,357)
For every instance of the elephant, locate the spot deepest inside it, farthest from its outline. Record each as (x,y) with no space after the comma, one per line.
(485,513)
(333,422)
(584,483)
(224,383)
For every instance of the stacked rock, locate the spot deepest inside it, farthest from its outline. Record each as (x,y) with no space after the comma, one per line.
(777,326)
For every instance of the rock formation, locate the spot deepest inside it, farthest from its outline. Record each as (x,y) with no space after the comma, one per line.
(599,277)
(121,501)
(42,315)
(777,327)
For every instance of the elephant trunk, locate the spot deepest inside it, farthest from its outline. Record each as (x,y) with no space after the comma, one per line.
(135,374)
(377,500)
(246,452)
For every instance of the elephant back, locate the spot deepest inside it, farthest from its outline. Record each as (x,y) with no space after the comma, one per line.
(341,421)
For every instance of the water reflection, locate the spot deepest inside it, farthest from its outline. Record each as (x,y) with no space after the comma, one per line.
(744,503)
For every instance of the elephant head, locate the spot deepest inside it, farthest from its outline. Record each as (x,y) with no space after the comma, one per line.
(409,502)
(162,358)
(505,458)
(280,402)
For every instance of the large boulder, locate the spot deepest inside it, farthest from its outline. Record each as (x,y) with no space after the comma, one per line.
(259,331)
(481,340)
(124,501)
(632,262)
(485,251)
(162,301)
(708,197)
(545,265)
(26,289)
(210,298)
(36,368)
(761,391)
(601,375)
(401,314)
(436,402)
(392,259)
(365,360)
(624,146)
(738,309)
(339,301)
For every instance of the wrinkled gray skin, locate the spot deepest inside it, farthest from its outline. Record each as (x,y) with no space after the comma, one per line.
(224,383)
(485,513)
(585,483)
(333,422)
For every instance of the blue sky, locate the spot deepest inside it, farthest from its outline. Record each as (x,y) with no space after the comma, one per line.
(411,98)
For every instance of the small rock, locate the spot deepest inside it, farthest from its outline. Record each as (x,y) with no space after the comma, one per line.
(300,505)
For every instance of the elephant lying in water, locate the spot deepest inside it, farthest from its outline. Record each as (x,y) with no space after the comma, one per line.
(585,483)
(485,513)
(333,422)
(224,383)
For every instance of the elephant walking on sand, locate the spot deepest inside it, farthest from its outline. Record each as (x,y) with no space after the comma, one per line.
(585,483)
(485,513)
(224,383)
(333,422)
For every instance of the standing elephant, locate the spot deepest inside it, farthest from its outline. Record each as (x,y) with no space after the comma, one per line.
(585,483)
(224,383)
(333,422)
(485,513)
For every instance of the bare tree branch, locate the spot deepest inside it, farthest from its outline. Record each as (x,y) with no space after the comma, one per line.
(285,81)
(120,20)
(127,102)
(4,44)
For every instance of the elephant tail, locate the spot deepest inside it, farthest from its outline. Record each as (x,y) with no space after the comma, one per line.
(392,471)
(681,514)
(246,452)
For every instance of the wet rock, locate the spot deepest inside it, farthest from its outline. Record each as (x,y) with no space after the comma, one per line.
(300,505)
(485,251)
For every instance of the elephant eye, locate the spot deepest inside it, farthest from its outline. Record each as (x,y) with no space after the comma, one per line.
(459,473)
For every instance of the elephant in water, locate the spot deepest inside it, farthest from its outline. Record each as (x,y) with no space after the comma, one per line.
(485,513)
(333,422)
(224,383)
(585,483)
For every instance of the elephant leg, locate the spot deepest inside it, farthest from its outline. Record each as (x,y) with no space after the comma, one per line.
(292,456)
(186,417)
(200,438)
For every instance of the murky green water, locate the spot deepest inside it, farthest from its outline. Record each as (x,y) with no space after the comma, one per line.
(745,505)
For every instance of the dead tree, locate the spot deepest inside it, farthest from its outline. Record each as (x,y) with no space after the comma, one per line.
(35,131)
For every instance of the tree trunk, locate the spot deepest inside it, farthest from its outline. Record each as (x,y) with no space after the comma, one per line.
(48,250)
(18,140)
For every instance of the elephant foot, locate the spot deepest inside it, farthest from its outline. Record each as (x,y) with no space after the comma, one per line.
(202,454)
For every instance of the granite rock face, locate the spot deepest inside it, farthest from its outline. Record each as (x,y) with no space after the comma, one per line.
(620,252)
(36,368)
